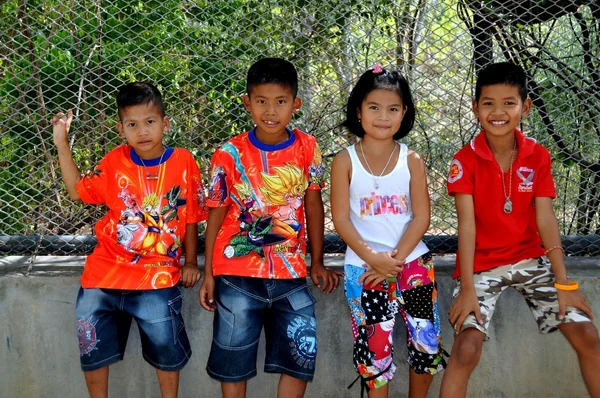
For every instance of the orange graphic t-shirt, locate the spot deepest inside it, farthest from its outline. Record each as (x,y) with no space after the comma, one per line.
(149,204)
(263,234)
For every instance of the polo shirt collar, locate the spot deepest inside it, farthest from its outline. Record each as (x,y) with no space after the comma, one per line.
(481,147)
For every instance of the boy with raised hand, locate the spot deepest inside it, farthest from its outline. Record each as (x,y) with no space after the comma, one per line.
(155,199)
(508,235)
(263,181)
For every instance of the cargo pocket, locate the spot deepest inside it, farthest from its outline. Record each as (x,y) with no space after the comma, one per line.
(301,298)
(175,306)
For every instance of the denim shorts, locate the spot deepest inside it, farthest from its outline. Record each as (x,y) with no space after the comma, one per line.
(103,321)
(284,307)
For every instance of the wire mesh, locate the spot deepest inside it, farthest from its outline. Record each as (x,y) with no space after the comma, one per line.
(58,55)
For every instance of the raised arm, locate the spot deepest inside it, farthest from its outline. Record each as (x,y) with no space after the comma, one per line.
(61,124)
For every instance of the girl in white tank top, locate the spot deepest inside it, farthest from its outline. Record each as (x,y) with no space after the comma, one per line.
(381,209)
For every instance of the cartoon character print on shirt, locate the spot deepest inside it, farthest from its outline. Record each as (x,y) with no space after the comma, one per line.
(315,170)
(146,227)
(283,192)
(217,190)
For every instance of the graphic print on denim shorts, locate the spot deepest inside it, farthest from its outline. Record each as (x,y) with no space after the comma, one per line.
(303,344)
(86,333)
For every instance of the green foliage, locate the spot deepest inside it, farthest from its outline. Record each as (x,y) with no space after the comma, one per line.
(59,55)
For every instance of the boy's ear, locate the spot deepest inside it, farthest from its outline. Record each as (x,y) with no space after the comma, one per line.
(120,128)
(475,109)
(297,104)
(166,123)
(246,101)
(526,107)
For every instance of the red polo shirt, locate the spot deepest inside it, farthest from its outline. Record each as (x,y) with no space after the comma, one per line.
(502,238)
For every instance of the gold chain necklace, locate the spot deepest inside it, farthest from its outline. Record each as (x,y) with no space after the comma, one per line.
(507,202)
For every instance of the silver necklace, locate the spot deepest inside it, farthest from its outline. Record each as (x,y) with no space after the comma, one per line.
(154,176)
(507,202)
(375,184)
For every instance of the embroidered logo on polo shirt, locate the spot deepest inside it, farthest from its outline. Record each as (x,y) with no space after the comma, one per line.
(526,175)
(456,171)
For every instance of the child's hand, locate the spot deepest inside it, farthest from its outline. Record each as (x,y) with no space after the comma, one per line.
(190,275)
(466,303)
(61,124)
(572,298)
(372,277)
(330,279)
(385,263)
(207,291)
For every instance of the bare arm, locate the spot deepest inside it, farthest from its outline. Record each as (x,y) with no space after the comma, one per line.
(466,302)
(216,216)
(315,225)
(466,239)
(61,124)
(190,274)
(315,228)
(421,207)
(550,235)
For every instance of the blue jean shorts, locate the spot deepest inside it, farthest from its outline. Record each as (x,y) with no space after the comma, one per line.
(103,321)
(284,307)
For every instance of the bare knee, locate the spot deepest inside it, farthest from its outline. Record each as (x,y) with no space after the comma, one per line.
(467,348)
(583,337)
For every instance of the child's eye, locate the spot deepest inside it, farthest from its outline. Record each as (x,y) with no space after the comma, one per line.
(131,125)
(373,107)
(281,102)
(261,102)
(394,109)
(487,103)
(150,121)
(509,103)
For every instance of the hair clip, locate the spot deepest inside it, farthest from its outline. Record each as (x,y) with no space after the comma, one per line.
(377,69)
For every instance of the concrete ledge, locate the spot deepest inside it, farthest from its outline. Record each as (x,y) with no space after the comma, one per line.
(39,353)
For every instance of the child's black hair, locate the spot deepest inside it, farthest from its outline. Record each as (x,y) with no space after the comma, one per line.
(139,93)
(272,70)
(385,80)
(502,73)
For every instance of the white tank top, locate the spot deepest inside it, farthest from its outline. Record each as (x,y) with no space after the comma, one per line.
(381,215)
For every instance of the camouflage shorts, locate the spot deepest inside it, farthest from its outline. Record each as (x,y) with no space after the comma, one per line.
(534,280)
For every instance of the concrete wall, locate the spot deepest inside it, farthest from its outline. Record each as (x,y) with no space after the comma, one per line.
(39,353)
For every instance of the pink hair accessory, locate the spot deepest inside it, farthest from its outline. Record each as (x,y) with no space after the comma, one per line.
(377,69)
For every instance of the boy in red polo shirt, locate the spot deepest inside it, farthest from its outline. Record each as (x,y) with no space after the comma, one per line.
(508,235)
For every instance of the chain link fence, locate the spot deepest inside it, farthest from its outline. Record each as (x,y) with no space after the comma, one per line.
(56,55)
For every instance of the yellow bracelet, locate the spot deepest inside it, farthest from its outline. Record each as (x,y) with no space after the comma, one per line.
(571,286)
(555,247)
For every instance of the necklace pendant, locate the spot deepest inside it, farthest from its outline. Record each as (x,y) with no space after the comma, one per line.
(376,185)
(508,206)
(151,176)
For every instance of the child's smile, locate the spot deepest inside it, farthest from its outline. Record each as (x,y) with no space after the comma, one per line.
(500,109)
